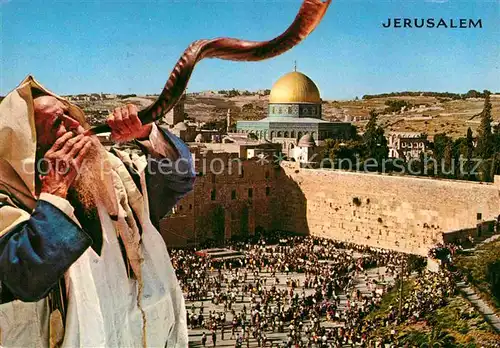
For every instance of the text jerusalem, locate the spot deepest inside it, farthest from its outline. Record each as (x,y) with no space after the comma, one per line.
(462,23)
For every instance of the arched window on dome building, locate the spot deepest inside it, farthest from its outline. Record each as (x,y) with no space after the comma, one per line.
(285,134)
(279,134)
(292,134)
(299,135)
(272,134)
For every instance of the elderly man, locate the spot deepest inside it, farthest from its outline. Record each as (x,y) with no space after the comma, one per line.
(81,261)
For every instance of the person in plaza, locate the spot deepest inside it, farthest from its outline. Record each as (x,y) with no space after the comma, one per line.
(214,337)
(204,339)
(298,316)
(82,263)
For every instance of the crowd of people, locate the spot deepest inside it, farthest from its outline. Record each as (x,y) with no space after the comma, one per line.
(294,287)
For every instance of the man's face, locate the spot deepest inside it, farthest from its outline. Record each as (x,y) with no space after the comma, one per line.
(52,120)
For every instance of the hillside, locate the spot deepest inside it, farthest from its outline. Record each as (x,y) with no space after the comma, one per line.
(434,115)
(429,114)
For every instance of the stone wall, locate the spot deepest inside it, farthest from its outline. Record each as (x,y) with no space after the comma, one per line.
(235,201)
(408,214)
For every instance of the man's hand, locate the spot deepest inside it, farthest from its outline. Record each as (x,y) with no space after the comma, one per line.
(125,124)
(62,163)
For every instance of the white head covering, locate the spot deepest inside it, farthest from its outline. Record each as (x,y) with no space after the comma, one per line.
(18,133)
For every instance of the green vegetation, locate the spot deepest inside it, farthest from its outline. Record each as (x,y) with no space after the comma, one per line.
(235,93)
(391,300)
(456,324)
(482,270)
(371,147)
(396,106)
(125,96)
(220,125)
(375,141)
(230,93)
(470,94)
(485,142)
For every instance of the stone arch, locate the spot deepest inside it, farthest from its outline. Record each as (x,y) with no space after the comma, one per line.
(285,134)
(280,134)
(272,134)
(299,135)
(292,134)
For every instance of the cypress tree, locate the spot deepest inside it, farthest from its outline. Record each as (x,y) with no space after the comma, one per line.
(470,152)
(485,146)
(375,140)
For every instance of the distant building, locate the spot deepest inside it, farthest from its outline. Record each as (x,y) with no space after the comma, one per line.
(208,136)
(406,145)
(109,96)
(306,151)
(187,132)
(243,146)
(294,110)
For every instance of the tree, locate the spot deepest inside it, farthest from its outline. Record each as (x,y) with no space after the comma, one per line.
(485,145)
(444,153)
(496,137)
(344,154)
(352,133)
(447,163)
(470,152)
(375,141)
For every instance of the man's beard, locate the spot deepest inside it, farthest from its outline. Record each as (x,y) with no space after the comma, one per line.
(90,184)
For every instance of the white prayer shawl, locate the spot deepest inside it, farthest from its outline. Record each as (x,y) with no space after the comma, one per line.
(105,307)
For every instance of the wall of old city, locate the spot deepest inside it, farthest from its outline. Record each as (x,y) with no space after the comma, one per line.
(231,197)
(408,214)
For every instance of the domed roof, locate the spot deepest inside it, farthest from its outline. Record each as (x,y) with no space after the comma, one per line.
(306,141)
(294,87)
(180,126)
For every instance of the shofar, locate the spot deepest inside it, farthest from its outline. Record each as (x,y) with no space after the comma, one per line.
(310,14)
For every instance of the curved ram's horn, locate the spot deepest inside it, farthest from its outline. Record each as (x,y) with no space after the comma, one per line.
(310,14)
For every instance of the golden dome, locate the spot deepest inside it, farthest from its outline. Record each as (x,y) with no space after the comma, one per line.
(294,87)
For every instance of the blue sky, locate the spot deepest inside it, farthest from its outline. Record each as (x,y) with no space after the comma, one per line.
(131,46)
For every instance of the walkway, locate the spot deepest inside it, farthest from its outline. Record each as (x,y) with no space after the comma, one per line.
(472,297)
(480,305)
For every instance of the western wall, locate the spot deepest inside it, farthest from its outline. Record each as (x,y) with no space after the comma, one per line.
(404,213)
